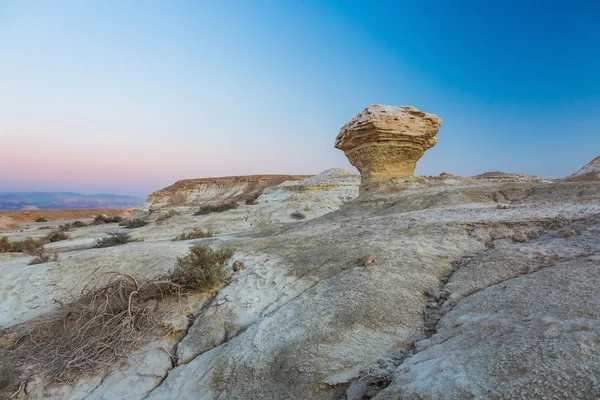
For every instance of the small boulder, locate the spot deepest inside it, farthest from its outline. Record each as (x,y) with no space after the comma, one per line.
(357,390)
(519,237)
(367,259)
(238,265)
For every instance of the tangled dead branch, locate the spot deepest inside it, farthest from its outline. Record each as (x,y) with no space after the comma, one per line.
(95,330)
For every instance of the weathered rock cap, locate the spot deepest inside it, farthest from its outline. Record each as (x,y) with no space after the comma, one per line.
(380,123)
(385,142)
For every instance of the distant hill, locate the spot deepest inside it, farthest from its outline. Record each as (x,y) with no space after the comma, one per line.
(64,200)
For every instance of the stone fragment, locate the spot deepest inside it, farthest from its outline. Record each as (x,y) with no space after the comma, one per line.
(357,390)
(385,142)
(519,237)
(238,265)
(437,293)
(367,259)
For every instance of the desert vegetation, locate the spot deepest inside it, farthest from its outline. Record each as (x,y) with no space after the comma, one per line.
(43,258)
(41,219)
(55,236)
(113,239)
(72,225)
(221,207)
(202,268)
(7,375)
(166,215)
(105,323)
(297,215)
(134,223)
(104,219)
(196,233)
(28,246)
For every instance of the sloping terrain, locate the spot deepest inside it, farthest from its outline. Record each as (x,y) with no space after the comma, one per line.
(193,192)
(589,172)
(476,289)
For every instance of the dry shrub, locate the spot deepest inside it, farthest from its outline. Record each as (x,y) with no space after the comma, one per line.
(95,330)
(163,216)
(114,239)
(222,207)
(7,375)
(56,236)
(44,258)
(202,268)
(28,245)
(4,245)
(196,233)
(297,215)
(135,223)
(105,324)
(105,219)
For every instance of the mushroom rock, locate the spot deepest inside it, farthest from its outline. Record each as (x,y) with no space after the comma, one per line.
(385,142)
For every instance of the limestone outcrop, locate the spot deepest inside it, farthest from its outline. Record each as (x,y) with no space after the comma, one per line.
(589,172)
(385,142)
(194,192)
(452,308)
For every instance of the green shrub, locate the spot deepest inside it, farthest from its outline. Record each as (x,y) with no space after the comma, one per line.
(211,208)
(114,239)
(30,246)
(196,233)
(65,227)
(163,216)
(71,225)
(41,219)
(103,219)
(55,236)
(136,223)
(297,215)
(202,268)
(231,205)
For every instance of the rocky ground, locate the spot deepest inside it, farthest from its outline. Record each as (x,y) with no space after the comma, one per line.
(444,288)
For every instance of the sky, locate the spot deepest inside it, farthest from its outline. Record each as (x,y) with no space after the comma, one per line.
(130,96)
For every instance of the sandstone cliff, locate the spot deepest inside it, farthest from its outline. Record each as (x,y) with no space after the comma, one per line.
(191,192)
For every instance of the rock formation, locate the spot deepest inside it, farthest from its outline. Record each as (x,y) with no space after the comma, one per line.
(589,172)
(192,192)
(452,308)
(385,142)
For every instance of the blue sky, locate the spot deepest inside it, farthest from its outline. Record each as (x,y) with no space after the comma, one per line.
(130,96)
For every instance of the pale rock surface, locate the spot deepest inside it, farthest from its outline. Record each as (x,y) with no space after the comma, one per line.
(385,142)
(589,172)
(303,320)
(195,192)
(526,327)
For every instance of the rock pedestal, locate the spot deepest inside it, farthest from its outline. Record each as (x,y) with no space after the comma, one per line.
(385,142)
